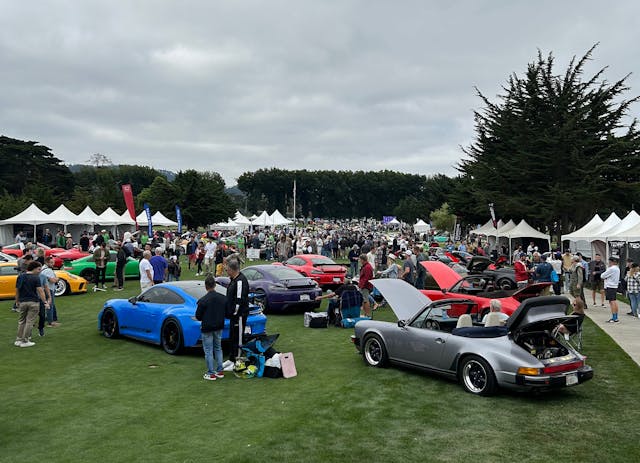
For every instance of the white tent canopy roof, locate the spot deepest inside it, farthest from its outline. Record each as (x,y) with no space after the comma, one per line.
(64,216)
(597,233)
(394,221)
(87,216)
(241,219)
(126,218)
(421,226)
(262,220)
(32,215)
(278,219)
(487,228)
(504,229)
(160,219)
(524,230)
(578,235)
(110,217)
(630,221)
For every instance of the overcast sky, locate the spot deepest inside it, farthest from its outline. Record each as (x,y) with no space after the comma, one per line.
(234,86)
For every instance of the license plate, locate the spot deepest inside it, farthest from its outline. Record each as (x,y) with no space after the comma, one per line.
(336,280)
(305,297)
(572,379)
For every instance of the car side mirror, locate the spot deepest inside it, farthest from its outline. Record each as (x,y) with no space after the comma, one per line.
(402,323)
(132,300)
(444,290)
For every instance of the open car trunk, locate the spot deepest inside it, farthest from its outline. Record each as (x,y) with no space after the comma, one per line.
(532,324)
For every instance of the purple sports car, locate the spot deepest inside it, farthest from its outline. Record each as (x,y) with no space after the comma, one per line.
(279,287)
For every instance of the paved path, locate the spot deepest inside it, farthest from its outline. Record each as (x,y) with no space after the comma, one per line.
(626,333)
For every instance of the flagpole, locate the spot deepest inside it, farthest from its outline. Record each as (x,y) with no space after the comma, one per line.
(294,206)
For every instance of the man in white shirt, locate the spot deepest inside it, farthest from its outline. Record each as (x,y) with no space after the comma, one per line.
(209,256)
(611,279)
(146,271)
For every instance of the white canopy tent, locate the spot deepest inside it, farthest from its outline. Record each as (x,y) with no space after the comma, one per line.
(597,232)
(501,231)
(393,221)
(88,217)
(631,220)
(262,220)
(487,229)
(585,231)
(278,219)
(240,219)
(421,226)
(524,230)
(32,215)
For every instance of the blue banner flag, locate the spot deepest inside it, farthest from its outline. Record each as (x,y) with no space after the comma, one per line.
(149,224)
(179,219)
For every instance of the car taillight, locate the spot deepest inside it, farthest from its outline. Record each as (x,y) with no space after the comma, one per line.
(563,367)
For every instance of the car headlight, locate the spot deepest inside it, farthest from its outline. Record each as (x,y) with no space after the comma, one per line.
(276,286)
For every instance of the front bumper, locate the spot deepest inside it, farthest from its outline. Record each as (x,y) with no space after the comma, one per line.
(564,379)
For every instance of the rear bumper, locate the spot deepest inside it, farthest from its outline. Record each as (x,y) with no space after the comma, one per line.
(564,379)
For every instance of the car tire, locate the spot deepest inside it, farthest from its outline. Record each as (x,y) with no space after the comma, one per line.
(476,376)
(505,284)
(171,337)
(89,275)
(374,351)
(62,287)
(109,324)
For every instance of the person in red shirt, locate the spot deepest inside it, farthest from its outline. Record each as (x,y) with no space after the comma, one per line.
(366,274)
(522,274)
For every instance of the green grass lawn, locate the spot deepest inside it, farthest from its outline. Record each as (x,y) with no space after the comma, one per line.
(77,396)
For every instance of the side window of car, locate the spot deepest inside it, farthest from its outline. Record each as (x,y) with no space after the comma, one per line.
(249,273)
(8,271)
(419,320)
(161,295)
(296,261)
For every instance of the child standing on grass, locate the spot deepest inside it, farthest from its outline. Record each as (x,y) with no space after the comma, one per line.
(211,312)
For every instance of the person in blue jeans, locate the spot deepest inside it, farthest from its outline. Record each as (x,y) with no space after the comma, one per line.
(211,311)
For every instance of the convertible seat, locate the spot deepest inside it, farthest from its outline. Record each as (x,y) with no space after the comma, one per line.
(481,332)
(493,319)
(464,321)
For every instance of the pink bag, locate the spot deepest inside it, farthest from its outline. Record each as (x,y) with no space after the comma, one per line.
(288,365)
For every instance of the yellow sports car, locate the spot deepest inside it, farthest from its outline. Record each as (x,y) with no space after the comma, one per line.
(67,283)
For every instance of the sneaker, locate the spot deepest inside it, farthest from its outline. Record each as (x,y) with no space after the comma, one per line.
(219,374)
(27,344)
(118,289)
(630,313)
(17,343)
(209,377)
(611,320)
(54,324)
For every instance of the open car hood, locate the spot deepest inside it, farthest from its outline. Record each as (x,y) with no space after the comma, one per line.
(543,312)
(444,276)
(405,300)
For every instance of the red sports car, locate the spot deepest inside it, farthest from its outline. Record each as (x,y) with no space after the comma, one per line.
(444,283)
(319,268)
(17,249)
(67,254)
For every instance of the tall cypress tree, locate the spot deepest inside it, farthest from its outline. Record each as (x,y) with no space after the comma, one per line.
(554,149)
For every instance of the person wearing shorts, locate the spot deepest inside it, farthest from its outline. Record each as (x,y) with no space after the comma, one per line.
(611,279)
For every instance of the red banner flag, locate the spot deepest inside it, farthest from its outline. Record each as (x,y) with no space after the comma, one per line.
(128,200)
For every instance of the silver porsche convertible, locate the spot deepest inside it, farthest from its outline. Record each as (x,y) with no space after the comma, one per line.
(522,354)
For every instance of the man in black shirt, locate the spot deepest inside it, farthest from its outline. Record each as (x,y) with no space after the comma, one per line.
(237,305)
(29,294)
(211,312)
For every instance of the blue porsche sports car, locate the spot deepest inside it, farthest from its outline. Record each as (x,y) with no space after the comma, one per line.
(165,314)
(280,288)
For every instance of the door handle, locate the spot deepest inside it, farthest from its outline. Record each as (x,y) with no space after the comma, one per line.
(440,340)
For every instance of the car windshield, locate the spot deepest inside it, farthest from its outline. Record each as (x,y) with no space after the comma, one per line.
(284,273)
(322,261)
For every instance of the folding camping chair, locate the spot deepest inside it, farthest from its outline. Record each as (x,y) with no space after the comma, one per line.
(575,338)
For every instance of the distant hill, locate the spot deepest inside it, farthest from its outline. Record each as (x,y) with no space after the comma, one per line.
(234,191)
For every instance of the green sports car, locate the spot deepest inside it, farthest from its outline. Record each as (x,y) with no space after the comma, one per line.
(86,267)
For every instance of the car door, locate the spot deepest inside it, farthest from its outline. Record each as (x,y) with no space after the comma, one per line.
(144,316)
(8,277)
(422,345)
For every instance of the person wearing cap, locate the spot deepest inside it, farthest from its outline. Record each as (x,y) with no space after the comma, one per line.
(408,269)
(611,279)
(392,269)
